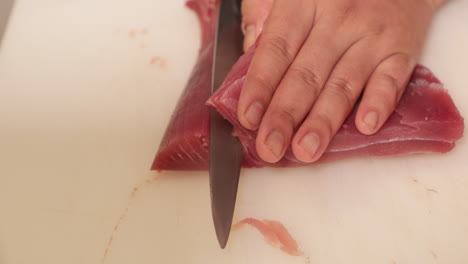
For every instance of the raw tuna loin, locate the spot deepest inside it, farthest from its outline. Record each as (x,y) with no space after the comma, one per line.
(426,119)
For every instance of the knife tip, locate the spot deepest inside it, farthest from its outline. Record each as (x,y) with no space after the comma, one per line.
(222,239)
(222,229)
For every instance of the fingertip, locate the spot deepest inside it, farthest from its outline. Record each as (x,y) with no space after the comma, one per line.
(250,36)
(271,148)
(308,148)
(251,117)
(368,122)
(383,92)
(245,124)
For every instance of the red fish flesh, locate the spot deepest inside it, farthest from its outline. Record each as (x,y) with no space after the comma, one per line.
(426,119)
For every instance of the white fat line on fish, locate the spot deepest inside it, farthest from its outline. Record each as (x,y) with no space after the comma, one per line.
(422,83)
(194,150)
(186,153)
(180,156)
(388,141)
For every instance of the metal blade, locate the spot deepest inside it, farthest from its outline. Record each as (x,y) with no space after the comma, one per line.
(5,10)
(225,149)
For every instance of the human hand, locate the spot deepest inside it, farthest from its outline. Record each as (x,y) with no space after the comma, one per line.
(314,60)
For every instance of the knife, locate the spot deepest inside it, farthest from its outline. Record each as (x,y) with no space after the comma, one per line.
(5,10)
(225,149)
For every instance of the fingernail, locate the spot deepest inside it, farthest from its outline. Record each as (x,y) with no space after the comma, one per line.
(254,114)
(310,143)
(275,141)
(370,120)
(249,36)
(248,29)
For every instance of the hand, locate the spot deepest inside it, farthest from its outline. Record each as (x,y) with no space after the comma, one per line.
(314,60)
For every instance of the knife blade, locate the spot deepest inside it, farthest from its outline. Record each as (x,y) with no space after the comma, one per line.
(225,149)
(5,10)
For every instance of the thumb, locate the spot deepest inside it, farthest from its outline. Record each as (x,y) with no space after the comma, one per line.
(254,14)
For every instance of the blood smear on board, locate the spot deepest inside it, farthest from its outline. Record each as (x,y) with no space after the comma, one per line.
(274,234)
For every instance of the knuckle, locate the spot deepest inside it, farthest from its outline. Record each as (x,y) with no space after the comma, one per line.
(288,113)
(262,84)
(347,11)
(394,77)
(372,30)
(344,88)
(311,81)
(376,28)
(325,122)
(389,91)
(349,8)
(279,47)
(403,61)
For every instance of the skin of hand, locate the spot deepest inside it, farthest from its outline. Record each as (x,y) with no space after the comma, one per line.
(315,58)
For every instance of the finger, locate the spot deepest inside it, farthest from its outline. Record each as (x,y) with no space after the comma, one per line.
(249,36)
(254,14)
(275,52)
(336,101)
(298,90)
(383,92)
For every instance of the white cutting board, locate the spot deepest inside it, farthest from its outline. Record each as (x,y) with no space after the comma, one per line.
(86,90)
